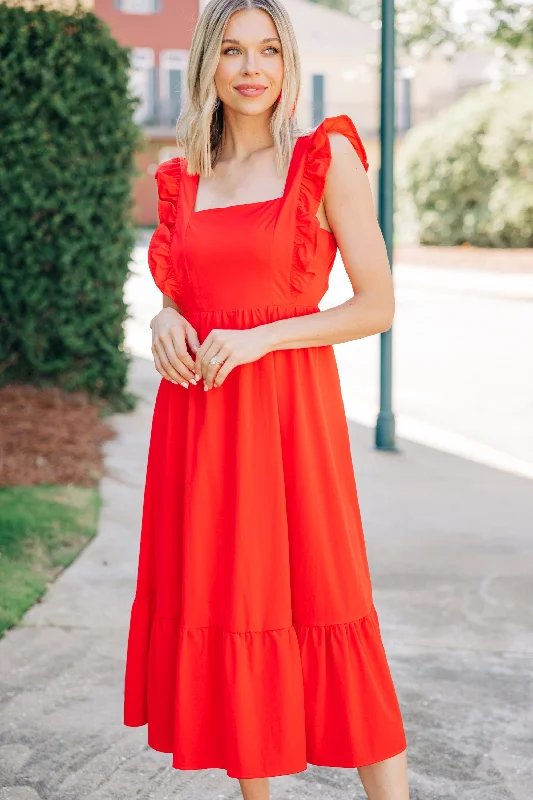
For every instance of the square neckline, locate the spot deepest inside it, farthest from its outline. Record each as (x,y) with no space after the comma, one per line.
(258,203)
(254,202)
(238,205)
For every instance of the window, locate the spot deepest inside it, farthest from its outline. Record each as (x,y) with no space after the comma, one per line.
(319,111)
(138,6)
(172,88)
(142,82)
(404,99)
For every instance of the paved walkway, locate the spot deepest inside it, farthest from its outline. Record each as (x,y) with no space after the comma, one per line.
(451,555)
(485,259)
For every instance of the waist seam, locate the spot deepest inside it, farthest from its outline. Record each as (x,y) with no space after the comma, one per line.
(248,308)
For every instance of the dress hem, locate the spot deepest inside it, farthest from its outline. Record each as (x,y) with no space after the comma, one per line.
(287,771)
(326,690)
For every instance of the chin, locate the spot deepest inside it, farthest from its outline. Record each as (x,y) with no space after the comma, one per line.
(250,109)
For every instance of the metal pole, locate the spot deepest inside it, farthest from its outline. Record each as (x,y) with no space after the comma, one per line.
(385,436)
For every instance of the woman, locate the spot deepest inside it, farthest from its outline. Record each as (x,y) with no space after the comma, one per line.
(254,644)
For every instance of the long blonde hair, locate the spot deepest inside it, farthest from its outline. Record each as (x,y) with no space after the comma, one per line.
(200,125)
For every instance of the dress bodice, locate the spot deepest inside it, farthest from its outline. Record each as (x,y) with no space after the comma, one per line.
(252,255)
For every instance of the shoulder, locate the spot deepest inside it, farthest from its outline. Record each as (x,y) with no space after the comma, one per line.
(339,139)
(346,163)
(168,176)
(174,167)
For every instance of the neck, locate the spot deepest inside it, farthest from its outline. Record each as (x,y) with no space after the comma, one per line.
(243,135)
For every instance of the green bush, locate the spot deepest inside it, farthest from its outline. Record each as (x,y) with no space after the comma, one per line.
(467,176)
(68,142)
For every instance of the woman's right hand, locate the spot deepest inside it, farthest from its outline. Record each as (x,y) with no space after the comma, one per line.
(171,333)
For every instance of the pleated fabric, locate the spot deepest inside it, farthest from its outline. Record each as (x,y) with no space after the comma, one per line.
(254,644)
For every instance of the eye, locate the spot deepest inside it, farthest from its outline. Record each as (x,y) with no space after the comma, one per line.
(230,49)
(273,49)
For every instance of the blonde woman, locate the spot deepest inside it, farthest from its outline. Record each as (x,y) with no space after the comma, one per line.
(254,644)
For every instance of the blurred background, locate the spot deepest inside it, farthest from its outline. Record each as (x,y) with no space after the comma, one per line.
(89,96)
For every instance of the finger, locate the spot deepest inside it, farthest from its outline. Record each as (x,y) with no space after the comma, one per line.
(179,345)
(200,354)
(206,358)
(170,371)
(172,374)
(214,369)
(172,344)
(223,372)
(192,339)
(159,367)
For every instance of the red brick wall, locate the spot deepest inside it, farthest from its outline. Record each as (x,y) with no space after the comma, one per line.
(145,188)
(169,29)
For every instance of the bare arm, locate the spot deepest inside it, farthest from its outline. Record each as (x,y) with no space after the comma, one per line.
(351,216)
(168,303)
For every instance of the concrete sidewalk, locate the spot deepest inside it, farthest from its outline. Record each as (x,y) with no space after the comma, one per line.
(451,553)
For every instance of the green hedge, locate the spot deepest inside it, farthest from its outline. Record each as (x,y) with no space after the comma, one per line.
(467,176)
(68,142)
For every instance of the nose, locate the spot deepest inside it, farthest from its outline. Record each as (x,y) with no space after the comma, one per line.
(250,67)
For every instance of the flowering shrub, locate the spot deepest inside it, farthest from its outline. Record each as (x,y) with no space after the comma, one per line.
(467,175)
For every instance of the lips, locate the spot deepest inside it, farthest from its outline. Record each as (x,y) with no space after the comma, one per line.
(251,89)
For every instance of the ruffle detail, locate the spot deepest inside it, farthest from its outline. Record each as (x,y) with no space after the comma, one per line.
(312,182)
(261,703)
(168,176)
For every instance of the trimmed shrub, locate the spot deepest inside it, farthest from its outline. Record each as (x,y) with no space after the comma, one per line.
(68,142)
(467,176)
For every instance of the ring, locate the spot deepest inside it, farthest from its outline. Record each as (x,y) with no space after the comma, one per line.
(215,360)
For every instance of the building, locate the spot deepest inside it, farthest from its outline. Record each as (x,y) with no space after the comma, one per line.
(340,75)
(159,33)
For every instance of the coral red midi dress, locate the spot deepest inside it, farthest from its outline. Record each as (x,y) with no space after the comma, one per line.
(254,644)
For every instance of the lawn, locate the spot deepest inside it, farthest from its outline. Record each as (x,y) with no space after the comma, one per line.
(42,530)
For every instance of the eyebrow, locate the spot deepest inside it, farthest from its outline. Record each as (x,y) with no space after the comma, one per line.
(270,39)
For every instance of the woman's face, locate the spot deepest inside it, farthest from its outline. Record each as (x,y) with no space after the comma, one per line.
(250,71)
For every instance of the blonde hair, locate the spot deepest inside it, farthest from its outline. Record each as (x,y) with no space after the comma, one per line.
(200,125)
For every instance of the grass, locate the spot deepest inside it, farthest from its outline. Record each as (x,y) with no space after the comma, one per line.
(42,530)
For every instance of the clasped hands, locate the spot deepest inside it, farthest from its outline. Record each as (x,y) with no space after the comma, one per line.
(172,335)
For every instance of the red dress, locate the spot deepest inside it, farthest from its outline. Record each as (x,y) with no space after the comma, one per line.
(254,644)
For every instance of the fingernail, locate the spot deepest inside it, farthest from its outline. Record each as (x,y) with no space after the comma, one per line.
(205,387)
(191,380)
(197,376)
(185,385)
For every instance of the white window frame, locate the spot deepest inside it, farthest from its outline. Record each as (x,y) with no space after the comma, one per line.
(143,58)
(128,7)
(172,60)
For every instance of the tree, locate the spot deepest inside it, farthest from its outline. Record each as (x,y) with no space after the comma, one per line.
(68,146)
(467,174)
(424,25)
(512,25)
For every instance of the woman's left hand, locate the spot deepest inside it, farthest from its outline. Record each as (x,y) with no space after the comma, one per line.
(233,347)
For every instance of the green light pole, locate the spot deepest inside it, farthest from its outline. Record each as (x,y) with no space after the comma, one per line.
(385,436)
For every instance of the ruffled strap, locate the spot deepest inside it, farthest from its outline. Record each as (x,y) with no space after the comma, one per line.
(168,176)
(317,159)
